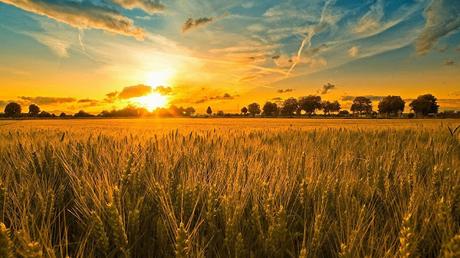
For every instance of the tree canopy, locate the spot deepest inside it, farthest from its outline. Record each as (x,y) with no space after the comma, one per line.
(425,104)
(392,105)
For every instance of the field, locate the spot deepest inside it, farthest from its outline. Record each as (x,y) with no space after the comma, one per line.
(229,188)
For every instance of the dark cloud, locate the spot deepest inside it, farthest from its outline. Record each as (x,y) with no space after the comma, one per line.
(164,90)
(193,23)
(449,62)
(82,15)
(441,19)
(226,96)
(371,97)
(285,90)
(326,88)
(89,102)
(146,5)
(47,100)
(135,91)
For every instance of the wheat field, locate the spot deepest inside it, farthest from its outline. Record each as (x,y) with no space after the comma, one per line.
(229,188)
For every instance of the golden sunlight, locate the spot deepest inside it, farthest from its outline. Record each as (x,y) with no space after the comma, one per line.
(151,101)
(159,78)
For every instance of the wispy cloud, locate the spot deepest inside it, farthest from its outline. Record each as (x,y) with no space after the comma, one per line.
(150,6)
(353,51)
(83,15)
(371,97)
(194,23)
(441,19)
(371,20)
(327,88)
(285,90)
(225,96)
(47,100)
(449,62)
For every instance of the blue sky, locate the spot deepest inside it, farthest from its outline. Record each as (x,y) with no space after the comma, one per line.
(243,50)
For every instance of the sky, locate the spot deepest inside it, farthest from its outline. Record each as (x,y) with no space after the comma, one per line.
(104,54)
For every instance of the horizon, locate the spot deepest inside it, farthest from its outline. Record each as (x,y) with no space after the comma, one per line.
(67,56)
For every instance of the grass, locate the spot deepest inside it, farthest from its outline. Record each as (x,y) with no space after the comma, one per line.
(229,188)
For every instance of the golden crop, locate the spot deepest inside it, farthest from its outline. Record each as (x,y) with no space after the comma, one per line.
(229,188)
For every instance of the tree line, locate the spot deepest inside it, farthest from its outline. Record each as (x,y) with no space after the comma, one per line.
(390,106)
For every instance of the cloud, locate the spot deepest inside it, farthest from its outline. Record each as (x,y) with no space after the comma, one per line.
(47,100)
(134,91)
(226,96)
(441,19)
(449,62)
(147,5)
(164,90)
(81,15)
(193,23)
(326,88)
(89,102)
(353,51)
(371,20)
(285,90)
(371,97)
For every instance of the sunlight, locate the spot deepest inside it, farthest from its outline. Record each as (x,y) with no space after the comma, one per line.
(159,78)
(152,101)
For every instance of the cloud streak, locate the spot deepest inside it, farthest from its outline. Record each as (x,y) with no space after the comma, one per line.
(441,19)
(194,23)
(147,5)
(81,15)
(47,100)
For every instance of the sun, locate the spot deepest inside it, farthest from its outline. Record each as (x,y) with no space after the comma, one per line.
(151,101)
(159,78)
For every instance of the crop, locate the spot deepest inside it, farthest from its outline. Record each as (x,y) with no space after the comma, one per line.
(210,191)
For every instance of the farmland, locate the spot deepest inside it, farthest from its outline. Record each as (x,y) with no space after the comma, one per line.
(229,188)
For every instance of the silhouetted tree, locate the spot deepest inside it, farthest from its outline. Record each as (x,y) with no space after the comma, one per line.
(424,105)
(361,105)
(12,109)
(82,113)
(45,114)
(290,106)
(310,104)
(34,110)
(63,114)
(330,107)
(209,111)
(270,109)
(244,110)
(220,113)
(189,111)
(392,105)
(344,113)
(254,109)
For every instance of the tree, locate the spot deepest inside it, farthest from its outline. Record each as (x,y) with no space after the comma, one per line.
(270,109)
(34,110)
(13,109)
(244,110)
(361,105)
(189,111)
(424,105)
(331,107)
(64,114)
(209,111)
(310,104)
(254,109)
(82,113)
(392,105)
(290,106)
(45,114)
(220,113)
